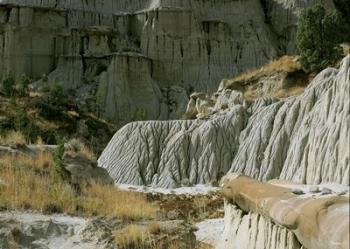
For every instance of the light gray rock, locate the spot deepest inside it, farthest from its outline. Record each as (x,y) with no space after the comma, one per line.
(253,231)
(81,168)
(304,139)
(132,48)
(164,153)
(32,230)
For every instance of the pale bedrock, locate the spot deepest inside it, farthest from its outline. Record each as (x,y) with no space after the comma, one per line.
(318,222)
(304,139)
(173,153)
(196,49)
(190,44)
(253,231)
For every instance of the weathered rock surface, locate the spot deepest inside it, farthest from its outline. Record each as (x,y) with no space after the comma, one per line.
(303,138)
(26,230)
(31,230)
(133,52)
(81,168)
(274,217)
(253,231)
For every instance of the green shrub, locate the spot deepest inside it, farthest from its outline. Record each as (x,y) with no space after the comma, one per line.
(48,110)
(22,86)
(31,132)
(60,173)
(21,119)
(7,86)
(23,124)
(56,94)
(318,37)
(140,114)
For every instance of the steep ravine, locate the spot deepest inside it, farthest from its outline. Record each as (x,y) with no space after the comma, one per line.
(304,139)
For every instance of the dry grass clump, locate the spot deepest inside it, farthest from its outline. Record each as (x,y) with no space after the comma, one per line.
(13,137)
(26,189)
(205,246)
(283,64)
(135,237)
(129,206)
(77,146)
(29,183)
(154,228)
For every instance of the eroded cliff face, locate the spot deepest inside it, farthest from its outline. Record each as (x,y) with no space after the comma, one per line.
(304,139)
(119,48)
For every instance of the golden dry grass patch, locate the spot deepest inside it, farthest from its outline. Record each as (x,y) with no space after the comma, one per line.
(13,137)
(29,183)
(284,64)
(133,236)
(154,228)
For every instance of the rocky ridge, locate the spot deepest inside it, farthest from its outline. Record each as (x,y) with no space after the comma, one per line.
(303,139)
(142,56)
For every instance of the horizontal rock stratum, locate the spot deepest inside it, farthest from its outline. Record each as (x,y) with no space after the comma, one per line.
(275,212)
(304,139)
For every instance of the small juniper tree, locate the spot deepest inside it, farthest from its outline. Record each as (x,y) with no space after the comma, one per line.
(318,37)
(60,173)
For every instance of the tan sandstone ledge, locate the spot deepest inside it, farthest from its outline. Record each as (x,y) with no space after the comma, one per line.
(318,222)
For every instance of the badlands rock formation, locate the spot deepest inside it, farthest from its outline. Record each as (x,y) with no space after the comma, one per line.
(261,215)
(143,56)
(304,139)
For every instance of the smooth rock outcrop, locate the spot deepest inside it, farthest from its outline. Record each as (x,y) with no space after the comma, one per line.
(273,213)
(303,138)
(133,52)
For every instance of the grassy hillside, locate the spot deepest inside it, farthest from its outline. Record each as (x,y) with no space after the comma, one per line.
(48,115)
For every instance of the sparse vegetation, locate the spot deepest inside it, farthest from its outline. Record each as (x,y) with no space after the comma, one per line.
(319,36)
(283,64)
(29,183)
(34,115)
(285,69)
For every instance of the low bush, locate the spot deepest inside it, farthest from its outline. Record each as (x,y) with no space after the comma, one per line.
(8,86)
